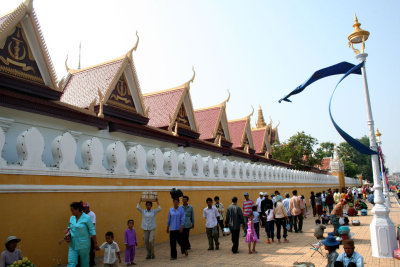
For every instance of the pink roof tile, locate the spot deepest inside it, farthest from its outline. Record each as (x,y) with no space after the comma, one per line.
(82,87)
(162,106)
(207,120)
(325,164)
(258,138)
(236,129)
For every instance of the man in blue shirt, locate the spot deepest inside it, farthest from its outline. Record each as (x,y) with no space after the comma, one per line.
(189,221)
(176,221)
(349,258)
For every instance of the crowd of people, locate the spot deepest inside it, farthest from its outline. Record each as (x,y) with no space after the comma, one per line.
(278,216)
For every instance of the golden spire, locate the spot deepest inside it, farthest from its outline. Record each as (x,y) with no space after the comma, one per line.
(377,133)
(260,120)
(357,36)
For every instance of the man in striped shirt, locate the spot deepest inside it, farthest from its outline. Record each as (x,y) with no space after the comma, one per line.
(247,210)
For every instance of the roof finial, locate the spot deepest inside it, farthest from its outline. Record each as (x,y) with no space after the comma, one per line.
(187,84)
(137,42)
(66,64)
(252,111)
(129,54)
(194,75)
(79,62)
(229,97)
(260,120)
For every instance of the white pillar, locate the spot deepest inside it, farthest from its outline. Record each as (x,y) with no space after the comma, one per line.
(383,232)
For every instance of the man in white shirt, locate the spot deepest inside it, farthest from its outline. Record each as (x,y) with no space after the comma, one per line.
(211,214)
(86,209)
(258,202)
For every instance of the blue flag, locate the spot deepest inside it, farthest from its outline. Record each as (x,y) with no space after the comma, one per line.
(339,68)
(350,140)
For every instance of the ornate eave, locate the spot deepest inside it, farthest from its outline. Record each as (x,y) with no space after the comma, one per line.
(26,16)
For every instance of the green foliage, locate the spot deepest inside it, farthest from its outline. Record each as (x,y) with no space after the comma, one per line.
(355,162)
(299,150)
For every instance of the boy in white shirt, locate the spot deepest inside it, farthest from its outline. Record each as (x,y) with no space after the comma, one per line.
(111,251)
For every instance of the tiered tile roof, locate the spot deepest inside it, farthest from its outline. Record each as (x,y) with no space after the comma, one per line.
(83,86)
(163,106)
(207,121)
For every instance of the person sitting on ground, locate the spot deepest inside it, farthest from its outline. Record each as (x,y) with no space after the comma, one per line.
(349,258)
(11,254)
(319,229)
(325,218)
(331,245)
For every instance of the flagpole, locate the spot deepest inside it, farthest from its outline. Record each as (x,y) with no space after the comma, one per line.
(382,229)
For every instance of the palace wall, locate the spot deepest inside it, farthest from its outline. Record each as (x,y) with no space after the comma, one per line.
(47,163)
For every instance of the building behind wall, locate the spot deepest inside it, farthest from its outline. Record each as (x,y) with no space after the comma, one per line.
(93,136)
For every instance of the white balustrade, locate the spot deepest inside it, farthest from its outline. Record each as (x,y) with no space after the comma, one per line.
(3,162)
(208,166)
(227,168)
(63,149)
(185,165)
(92,155)
(137,160)
(116,158)
(30,146)
(197,166)
(155,162)
(171,163)
(218,168)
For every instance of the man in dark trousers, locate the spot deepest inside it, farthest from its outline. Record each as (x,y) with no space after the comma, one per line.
(233,219)
(312,203)
(266,204)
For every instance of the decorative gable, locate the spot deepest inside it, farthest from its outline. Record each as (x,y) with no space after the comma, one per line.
(25,64)
(220,131)
(121,96)
(182,118)
(16,57)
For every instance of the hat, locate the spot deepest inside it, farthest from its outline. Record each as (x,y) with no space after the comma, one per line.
(11,238)
(85,205)
(261,193)
(330,241)
(246,194)
(348,243)
(265,193)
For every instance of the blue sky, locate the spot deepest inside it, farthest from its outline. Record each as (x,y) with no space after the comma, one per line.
(259,50)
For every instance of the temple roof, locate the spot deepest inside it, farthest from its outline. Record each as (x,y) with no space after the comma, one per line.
(83,86)
(325,164)
(168,107)
(25,16)
(241,132)
(259,138)
(162,106)
(207,121)
(95,85)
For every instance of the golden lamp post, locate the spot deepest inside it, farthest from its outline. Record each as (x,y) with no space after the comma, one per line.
(385,185)
(383,231)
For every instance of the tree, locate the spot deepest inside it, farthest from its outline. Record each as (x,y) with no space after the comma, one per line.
(325,149)
(354,162)
(299,150)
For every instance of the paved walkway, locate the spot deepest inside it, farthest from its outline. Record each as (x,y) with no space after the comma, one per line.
(269,254)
